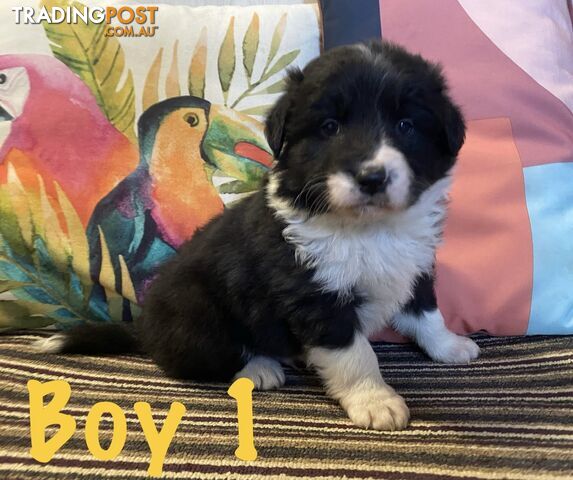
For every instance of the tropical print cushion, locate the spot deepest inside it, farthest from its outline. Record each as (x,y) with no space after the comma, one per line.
(506,265)
(113,151)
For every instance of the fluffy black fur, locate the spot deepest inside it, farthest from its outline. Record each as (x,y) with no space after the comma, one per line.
(368,98)
(235,289)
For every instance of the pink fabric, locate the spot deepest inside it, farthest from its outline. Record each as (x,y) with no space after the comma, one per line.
(538,38)
(485,271)
(485,82)
(484,267)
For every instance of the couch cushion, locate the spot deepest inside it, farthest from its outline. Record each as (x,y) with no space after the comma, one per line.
(95,194)
(505,266)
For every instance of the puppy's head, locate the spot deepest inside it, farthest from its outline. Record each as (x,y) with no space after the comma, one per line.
(363,128)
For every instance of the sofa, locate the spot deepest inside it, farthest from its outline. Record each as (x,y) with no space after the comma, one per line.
(82,106)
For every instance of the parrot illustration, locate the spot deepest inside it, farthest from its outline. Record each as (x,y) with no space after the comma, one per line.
(52,126)
(194,158)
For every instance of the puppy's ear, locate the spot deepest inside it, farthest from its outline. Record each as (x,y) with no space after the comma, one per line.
(276,119)
(455,128)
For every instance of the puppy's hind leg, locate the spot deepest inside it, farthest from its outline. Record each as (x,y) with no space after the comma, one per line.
(188,334)
(421,320)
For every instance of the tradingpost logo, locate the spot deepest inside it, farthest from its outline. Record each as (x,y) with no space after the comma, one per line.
(121,22)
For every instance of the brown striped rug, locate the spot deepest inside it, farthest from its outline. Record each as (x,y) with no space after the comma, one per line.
(507,416)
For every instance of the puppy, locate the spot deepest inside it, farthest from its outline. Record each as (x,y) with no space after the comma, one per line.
(338,243)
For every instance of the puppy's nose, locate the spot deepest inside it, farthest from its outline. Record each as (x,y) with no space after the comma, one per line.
(372,181)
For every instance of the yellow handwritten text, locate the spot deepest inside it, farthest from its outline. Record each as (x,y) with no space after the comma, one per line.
(44,415)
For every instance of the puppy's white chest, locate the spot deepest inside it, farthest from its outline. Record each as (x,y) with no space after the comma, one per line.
(379,264)
(377,260)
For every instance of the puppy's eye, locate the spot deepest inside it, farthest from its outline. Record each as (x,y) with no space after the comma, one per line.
(330,127)
(3,78)
(405,126)
(192,119)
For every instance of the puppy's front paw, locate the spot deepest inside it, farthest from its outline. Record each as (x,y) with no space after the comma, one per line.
(454,349)
(377,408)
(265,373)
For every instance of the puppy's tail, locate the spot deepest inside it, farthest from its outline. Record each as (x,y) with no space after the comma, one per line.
(92,339)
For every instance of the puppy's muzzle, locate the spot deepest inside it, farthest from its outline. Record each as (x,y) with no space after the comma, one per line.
(372,181)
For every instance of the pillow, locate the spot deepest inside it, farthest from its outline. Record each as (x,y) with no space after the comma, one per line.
(506,265)
(115,148)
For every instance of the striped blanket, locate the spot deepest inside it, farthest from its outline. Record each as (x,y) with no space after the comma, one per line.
(508,415)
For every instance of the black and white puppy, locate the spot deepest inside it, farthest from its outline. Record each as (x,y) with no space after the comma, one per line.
(339,242)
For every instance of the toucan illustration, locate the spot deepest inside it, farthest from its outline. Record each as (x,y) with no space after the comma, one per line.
(194,158)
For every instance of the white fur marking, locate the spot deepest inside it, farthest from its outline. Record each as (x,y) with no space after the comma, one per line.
(398,170)
(378,256)
(53,344)
(431,334)
(378,259)
(366,51)
(265,372)
(342,190)
(281,206)
(352,377)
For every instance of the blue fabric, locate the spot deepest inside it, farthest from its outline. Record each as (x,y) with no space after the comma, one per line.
(346,21)
(549,196)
